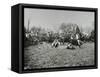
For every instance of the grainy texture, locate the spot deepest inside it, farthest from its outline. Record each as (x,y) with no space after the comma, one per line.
(44,56)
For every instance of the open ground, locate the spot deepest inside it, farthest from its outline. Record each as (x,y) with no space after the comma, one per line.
(44,56)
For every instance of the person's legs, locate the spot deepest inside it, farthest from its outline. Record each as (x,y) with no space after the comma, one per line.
(53,44)
(79,43)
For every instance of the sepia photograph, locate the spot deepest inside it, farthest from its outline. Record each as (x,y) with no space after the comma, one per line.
(58,38)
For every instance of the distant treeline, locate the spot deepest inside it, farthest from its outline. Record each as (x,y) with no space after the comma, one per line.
(37,35)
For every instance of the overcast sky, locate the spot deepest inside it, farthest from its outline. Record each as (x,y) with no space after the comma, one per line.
(52,19)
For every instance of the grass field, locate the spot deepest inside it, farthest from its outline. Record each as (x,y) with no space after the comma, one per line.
(44,56)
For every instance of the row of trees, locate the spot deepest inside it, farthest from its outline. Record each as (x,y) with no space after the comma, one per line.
(37,35)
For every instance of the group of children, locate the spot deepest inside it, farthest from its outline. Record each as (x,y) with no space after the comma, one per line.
(74,40)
